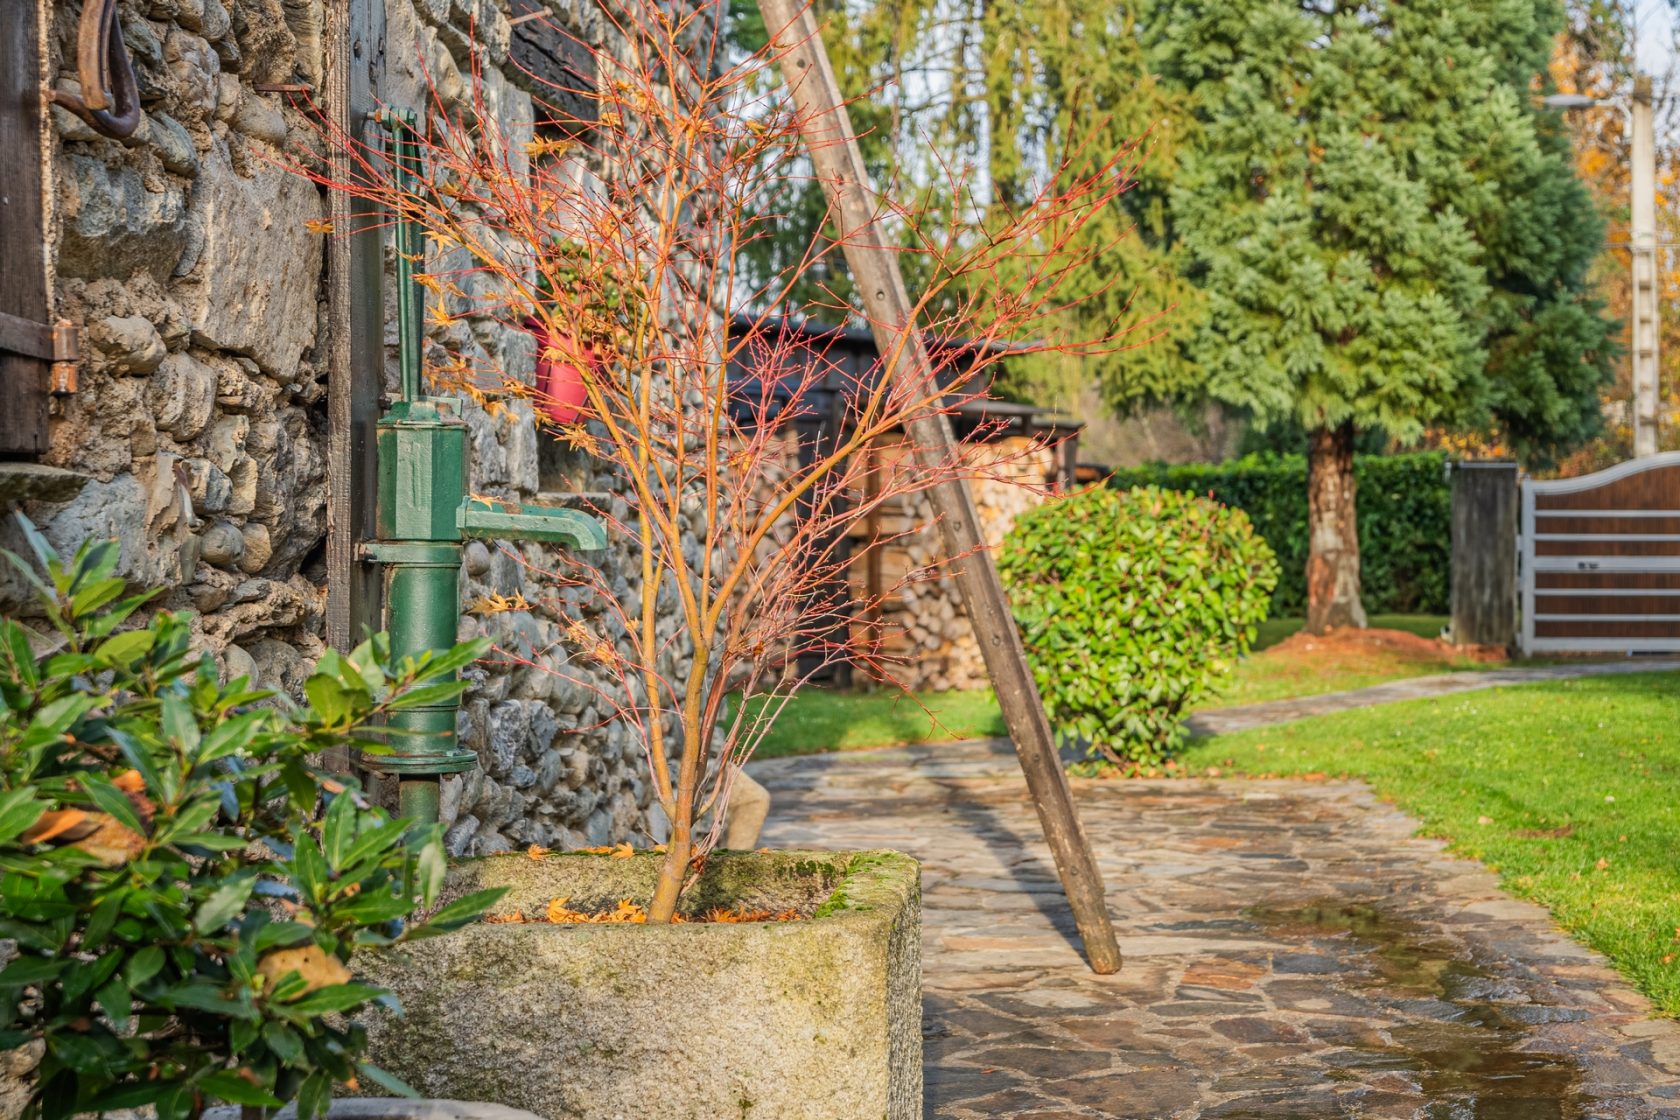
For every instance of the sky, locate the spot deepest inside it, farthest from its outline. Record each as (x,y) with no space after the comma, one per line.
(1656,36)
(1655,46)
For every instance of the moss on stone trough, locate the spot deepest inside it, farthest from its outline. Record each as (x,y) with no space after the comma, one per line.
(814,1018)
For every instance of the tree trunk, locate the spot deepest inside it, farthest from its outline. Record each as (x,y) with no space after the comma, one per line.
(673,870)
(1333,533)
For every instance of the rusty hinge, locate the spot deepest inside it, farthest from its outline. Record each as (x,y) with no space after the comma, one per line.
(59,344)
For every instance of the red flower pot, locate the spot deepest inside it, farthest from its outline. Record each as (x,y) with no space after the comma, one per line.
(560,393)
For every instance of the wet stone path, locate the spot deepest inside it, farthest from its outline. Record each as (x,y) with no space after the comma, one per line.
(1293,952)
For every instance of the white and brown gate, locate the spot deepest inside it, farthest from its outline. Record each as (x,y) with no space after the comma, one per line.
(1601,560)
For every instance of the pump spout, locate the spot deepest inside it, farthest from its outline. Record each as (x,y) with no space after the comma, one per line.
(488,519)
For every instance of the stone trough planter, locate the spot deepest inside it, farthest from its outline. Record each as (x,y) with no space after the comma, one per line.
(818,1018)
(382,1108)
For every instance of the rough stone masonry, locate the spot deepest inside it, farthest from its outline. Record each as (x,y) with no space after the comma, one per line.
(194,264)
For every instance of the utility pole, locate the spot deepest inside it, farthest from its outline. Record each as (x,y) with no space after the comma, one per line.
(1642,238)
(1642,196)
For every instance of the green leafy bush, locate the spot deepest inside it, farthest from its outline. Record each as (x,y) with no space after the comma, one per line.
(1132,604)
(1405,521)
(184,885)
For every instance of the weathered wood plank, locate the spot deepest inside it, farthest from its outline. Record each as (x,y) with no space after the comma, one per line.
(1484,554)
(23,270)
(838,162)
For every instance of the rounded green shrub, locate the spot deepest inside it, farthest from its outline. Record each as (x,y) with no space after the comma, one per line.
(1132,605)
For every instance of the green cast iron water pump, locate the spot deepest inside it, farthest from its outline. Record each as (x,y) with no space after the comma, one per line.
(422,515)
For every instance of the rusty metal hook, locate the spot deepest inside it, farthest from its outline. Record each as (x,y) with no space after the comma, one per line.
(110,100)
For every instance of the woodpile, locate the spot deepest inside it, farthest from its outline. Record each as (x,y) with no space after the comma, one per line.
(920,614)
(903,592)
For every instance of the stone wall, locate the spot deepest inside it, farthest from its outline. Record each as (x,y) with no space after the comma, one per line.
(194,264)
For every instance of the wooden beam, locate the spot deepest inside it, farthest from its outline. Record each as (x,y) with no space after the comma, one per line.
(355,61)
(23,267)
(839,165)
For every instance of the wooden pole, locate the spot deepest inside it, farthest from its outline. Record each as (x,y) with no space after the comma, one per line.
(354,62)
(838,162)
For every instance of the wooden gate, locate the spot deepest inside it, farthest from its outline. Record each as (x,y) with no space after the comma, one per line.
(1601,560)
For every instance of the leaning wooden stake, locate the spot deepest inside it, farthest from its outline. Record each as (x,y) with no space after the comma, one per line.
(838,162)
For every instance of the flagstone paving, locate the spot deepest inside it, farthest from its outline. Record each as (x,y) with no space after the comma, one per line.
(1293,952)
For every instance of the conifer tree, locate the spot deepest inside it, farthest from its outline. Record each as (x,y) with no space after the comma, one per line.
(1386,232)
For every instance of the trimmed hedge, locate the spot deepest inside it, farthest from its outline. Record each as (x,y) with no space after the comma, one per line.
(1132,605)
(1405,521)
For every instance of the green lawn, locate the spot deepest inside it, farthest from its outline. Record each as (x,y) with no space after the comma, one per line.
(1569,789)
(820,720)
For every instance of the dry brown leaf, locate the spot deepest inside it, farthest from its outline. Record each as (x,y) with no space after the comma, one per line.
(319,969)
(111,842)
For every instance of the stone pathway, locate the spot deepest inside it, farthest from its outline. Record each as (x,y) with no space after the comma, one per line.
(1292,952)
(1222,720)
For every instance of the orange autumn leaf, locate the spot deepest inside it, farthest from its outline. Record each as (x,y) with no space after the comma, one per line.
(498,604)
(74,825)
(630,912)
(616,851)
(720,914)
(559,913)
(54,823)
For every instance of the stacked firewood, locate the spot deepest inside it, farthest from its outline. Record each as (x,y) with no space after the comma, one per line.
(920,611)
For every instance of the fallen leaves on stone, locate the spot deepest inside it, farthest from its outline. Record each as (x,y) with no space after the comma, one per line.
(616,851)
(629,912)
